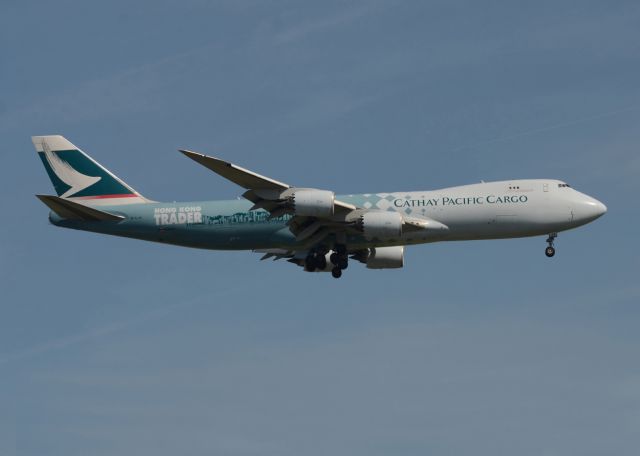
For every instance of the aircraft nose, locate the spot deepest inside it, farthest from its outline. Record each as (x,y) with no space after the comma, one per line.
(601,209)
(588,209)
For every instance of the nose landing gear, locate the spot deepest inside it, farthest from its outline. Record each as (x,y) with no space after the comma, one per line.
(550,250)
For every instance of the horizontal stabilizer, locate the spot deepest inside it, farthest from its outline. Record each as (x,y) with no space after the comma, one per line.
(76,211)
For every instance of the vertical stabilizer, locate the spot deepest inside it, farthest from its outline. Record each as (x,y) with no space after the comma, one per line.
(76,176)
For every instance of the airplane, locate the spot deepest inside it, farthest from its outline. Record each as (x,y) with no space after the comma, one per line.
(312,228)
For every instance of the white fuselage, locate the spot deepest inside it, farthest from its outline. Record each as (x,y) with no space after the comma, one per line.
(492,210)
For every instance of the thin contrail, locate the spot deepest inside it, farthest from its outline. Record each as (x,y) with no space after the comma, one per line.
(64,342)
(551,127)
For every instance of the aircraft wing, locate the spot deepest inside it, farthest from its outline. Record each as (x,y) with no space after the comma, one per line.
(316,214)
(236,174)
(264,192)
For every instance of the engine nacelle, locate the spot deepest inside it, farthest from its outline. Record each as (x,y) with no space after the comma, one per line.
(312,203)
(386,257)
(381,225)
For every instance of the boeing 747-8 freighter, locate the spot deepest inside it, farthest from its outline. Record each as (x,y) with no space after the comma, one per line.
(309,227)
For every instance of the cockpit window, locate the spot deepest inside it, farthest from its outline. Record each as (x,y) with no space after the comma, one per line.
(564,185)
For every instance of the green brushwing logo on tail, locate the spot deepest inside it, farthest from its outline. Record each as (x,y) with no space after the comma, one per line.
(73,174)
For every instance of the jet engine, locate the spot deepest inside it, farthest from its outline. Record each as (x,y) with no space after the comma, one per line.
(381,225)
(386,257)
(312,203)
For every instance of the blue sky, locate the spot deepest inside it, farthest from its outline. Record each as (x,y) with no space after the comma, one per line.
(112,346)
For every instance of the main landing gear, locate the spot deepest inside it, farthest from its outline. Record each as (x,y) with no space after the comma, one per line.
(550,250)
(339,259)
(317,260)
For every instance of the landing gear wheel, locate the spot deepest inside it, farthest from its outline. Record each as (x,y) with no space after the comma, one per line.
(550,251)
(321,262)
(334,257)
(336,273)
(339,257)
(311,263)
